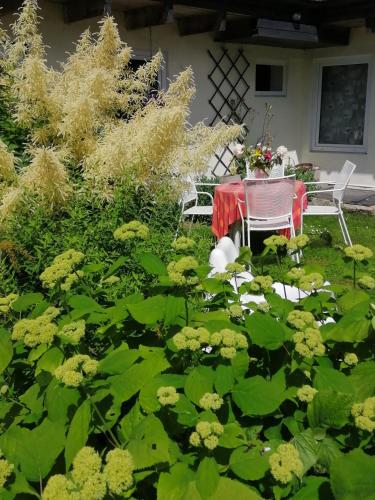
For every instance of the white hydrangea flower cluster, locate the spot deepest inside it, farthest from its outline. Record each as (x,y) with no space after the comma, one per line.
(167,395)
(62,266)
(306,393)
(90,479)
(40,330)
(131,230)
(76,369)
(183,244)
(260,284)
(364,414)
(206,434)
(181,272)
(285,462)
(72,332)
(6,302)
(193,339)
(211,401)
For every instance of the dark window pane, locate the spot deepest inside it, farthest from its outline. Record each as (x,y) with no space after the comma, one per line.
(269,78)
(343,104)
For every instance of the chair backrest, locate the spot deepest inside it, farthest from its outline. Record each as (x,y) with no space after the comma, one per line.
(229,248)
(190,192)
(343,180)
(230,178)
(276,171)
(269,198)
(218,261)
(290,159)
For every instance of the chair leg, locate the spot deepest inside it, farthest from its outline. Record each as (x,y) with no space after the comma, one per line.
(344,229)
(296,256)
(248,235)
(178,224)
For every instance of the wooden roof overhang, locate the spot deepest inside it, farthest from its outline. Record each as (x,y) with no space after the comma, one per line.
(284,23)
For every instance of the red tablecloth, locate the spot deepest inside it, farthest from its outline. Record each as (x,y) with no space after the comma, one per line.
(226,211)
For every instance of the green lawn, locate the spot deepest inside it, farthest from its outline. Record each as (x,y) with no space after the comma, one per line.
(324,250)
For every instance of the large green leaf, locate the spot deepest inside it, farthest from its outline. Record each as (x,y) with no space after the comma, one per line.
(329,409)
(50,360)
(59,399)
(118,361)
(35,451)
(207,477)
(152,263)
(149,443)
(78,432)
(148,311)
(353,476)
(314,488)
(130,421)
(127,384)
(199,381)
(174,310)
(186,412)
(353,327)
(224,379)
(329,378)
(265,331)
(249,463)
(173,485)
(6,349)
(229,488)
(26,300)
(258,396)
(233,436)
(363,380)
(354,298)
(308,448)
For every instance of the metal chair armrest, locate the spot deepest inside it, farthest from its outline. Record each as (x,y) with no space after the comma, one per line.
(239,203)
(207,194)
(207,184)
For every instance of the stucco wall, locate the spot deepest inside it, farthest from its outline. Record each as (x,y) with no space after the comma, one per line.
(291,124)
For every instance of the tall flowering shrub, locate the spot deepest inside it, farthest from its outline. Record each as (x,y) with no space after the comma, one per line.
(91,120)
(182,390)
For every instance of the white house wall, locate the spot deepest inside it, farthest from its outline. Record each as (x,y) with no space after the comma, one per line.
(291,124)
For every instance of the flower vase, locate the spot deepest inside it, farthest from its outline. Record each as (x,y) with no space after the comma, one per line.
(260,174)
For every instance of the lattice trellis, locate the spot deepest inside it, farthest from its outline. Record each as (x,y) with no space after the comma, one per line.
(229,78)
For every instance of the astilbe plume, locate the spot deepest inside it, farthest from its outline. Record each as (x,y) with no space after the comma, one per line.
(96,111)
(7,161)
(47,177)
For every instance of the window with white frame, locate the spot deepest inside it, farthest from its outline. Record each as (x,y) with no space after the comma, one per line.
(340,105)
(270,78)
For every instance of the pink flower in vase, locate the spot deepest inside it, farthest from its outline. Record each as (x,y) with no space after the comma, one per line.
(268,155)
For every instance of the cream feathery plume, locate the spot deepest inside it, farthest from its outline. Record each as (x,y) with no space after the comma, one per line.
(46,176)
(7,162)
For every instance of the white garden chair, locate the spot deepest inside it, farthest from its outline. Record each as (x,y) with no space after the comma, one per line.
(338,192)
(267,205)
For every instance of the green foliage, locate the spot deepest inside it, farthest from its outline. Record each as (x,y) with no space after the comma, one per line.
(179,449)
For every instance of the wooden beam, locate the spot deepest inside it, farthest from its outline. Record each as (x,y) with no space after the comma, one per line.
(282,34)
(370,24)
(150,15)
(192,25)
(76,10)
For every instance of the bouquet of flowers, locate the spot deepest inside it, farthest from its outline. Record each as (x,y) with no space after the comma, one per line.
(259,158)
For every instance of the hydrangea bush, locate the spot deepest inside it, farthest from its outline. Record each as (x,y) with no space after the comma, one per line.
(181,391)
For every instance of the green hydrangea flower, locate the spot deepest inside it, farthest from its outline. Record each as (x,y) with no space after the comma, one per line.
(306,393)
(118,471)
(310,282)
(235,311)
(298,242)
(167,396)
(62,266)
(206,433)
(75,369)
(179,272)
(285,463)
(6,302)
(350,359)
(358,253)
(182,244)
(301,319)
(131,230)
(295,274)
(6,470)
(211,401)
(309,343)
(222,277)
(366,282)
(260,284)
(235,268)
(276,241)
(37,331)
(364,414)
(73,332)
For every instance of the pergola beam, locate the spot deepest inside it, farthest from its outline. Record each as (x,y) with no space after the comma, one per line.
(201,23)
(150,15)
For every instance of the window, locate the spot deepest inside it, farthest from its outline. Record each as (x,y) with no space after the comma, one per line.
(340,105)
(270,79)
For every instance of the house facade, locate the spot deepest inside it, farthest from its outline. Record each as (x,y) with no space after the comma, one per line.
(320,83)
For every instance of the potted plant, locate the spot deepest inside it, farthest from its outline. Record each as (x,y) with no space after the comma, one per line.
(259,159)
